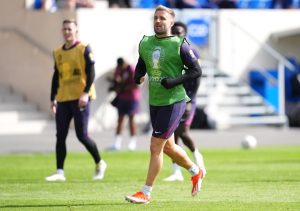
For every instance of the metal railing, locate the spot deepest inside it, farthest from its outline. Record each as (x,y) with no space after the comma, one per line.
(282,63)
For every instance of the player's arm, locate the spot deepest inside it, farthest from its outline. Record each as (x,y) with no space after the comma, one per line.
(193,91)
(192,70)
(140,71)
(89,68)
(90,76)
(54,87)
(54,84)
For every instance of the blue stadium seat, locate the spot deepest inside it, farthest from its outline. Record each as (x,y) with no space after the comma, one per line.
(256,81)
(254,4)
(266,88)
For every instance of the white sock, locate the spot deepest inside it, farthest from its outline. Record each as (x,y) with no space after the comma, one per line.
(198,158)
(176,169)
(194,170)
(147,190)
(118,141)
(132,141)
(99,164)
(60,171)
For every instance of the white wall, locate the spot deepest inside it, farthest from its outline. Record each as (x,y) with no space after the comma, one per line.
(114,33)
(238,52)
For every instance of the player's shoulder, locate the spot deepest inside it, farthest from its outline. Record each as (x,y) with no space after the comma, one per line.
(85,47)
(177,39)
(84,44)
(145,39)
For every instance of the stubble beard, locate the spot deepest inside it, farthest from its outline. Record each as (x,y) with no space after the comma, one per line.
(159,32)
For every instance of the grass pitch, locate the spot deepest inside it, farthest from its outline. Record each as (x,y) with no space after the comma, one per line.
(260,179)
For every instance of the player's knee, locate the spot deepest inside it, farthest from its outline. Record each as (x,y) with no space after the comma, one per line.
(168,149)
(155,149)
(60,143)
(82,138)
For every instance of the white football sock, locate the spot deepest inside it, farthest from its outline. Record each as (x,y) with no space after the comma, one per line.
(176,169)
(198,158)
(147,190)
(60,171)
(132,143)
(118,141)
(194,170)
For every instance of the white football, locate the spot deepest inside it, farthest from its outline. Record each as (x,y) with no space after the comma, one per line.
(249,142)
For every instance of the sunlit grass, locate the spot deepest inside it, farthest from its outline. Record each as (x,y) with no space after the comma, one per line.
(260,179)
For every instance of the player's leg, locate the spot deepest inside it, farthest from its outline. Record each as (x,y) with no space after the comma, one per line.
(133,131)
(184,133)
(155,165)
(117,142)
(176,174)
(63,117)
(81,118)
(183,128)
(160,122)
(156,159)
(132,111)
(122,112)
(187,140)
(177,154)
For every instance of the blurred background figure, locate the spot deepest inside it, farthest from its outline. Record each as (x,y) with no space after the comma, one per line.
(185,4)
(119,3)
(46,5)
(126,101)
(226,4)
(73,4)
(282,4)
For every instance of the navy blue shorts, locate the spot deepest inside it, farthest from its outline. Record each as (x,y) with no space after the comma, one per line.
(165,119)
(127,107)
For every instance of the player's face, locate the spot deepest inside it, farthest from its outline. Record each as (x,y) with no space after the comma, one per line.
(163,22)
(179,31)
(69,31)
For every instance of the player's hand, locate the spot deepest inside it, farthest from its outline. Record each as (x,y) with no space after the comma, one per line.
(166,82)
(53,105)
(83,100)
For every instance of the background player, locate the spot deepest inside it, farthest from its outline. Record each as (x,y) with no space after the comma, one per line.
(126,101)
(71,91)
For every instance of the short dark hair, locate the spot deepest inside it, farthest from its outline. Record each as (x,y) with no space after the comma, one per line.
(120,61)
(70,21)
(180,24)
